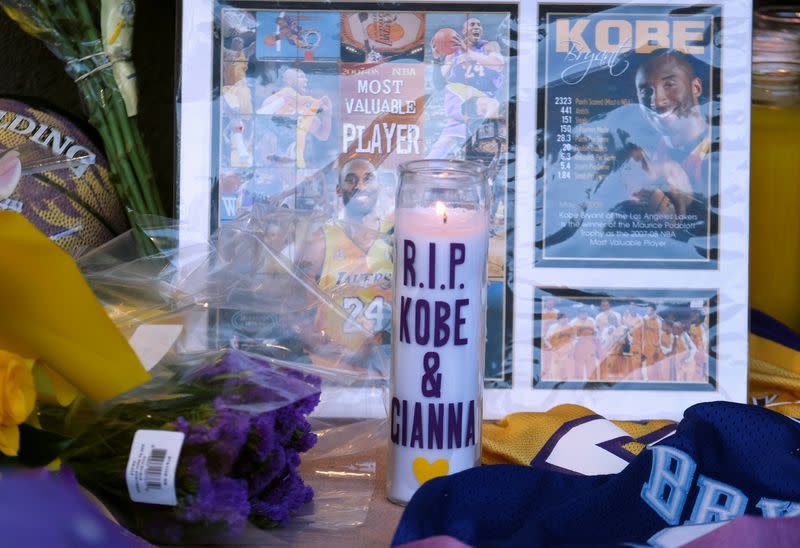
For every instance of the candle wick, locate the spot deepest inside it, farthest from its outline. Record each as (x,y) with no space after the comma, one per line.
(444,217)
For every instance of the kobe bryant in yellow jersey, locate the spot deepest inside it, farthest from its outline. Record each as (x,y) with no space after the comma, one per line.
(351,259)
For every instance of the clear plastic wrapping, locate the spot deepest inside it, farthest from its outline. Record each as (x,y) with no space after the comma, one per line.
(163,301)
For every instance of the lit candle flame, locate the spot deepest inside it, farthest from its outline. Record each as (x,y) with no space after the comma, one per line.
(441,210)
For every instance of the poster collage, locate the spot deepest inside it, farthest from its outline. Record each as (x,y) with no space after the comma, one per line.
(322,99)
(317,100)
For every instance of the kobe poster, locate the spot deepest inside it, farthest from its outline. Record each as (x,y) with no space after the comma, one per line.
(317,104)
(628,114)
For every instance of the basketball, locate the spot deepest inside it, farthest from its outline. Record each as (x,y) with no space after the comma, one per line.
(387,33)
(442,42)
(390,34)
(77,207)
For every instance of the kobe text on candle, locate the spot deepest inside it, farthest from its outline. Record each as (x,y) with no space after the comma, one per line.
(427,322)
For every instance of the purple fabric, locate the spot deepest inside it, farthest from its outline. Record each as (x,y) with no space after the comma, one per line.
(439,541)
(43,509)
(753,531)
(768,327)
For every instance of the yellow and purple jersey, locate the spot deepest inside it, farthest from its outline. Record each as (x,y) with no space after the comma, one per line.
(474,74)
(360,282)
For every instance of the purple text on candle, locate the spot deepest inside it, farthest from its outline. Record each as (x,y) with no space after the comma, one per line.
(431,265)
(444,424)
(460,248)
(422,325)
(457,252)
(409,251)
(431,378)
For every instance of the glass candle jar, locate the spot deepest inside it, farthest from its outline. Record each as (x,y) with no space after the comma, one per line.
(775,165)
(438,323)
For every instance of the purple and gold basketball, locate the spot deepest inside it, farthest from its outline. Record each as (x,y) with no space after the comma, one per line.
(76,206)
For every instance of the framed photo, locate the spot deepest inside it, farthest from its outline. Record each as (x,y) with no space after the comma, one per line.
(625,339)
(629,172)
(599,192)
(302,96)
(640,203)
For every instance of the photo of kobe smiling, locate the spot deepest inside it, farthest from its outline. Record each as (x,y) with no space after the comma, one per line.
(630,129)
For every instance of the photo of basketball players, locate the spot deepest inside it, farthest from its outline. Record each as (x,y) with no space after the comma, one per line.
(233,192)
(237,140)
(341,251)
(468,91)
(468,82)
(277,113)
(235,90)
(678,165)
(295,118)
(309,35)
(624,340)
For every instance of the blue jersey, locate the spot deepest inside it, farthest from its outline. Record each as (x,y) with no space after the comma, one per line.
(723,461)
(474,74)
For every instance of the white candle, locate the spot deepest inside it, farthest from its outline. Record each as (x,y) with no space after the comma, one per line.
(438,340)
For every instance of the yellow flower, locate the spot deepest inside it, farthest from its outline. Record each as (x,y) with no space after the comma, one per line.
(57,318)
(17,398)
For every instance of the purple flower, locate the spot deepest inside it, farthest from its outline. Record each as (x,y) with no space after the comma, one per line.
(276,504)
(304,441)
(287,422)
(220,437)
(262,442)
(292,458)
(262,435)
(250,381)
(221,500)
(245,424)
(275,441)
(307,404)
(264,473)
(209,509)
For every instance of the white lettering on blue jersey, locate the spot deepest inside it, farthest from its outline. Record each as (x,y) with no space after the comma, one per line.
(771,508)
(670,480)
(716,501)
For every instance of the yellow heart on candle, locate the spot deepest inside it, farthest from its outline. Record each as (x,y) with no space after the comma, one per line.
(423,470)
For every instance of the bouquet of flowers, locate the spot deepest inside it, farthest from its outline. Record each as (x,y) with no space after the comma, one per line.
(74,391)
(243,424)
